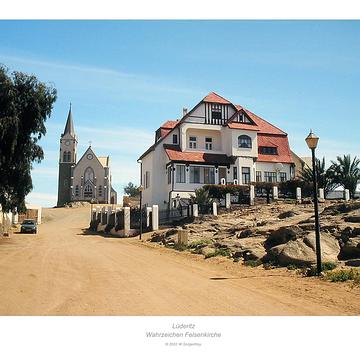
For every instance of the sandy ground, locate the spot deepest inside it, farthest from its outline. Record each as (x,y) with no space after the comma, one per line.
(62,271)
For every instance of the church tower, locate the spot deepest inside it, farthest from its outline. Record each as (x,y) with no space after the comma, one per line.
(68,146)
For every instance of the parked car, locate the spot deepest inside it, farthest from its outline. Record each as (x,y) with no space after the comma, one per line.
(29,226)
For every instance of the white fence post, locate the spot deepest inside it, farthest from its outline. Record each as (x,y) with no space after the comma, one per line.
(321,194)
(346,195)
(298,195)
(252,194)
(126,220)
(275,193)
(155,217)
(215,208)
(227,200)
(195,210)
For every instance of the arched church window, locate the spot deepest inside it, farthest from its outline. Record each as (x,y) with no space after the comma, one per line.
(77,190)
(65,156)
(88,191)
(100,190)
(69,156)
(89,174)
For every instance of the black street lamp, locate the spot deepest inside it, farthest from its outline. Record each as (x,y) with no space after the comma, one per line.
(312,141)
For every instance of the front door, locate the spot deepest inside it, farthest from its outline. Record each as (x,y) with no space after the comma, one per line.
(222,174)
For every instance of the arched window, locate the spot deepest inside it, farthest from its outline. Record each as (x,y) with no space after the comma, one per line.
(88,191)
(244,141)
(77,190)
(65,156)
(100,190)
(69,156)
(89,175)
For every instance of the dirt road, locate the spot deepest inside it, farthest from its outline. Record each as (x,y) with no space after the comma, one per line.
(61,271)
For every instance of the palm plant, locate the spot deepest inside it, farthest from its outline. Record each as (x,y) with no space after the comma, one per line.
(346,172)
(324,176)
(202,197)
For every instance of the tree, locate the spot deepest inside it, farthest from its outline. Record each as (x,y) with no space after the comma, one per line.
(324,176)
(25,104)
(346,172)
(131,190)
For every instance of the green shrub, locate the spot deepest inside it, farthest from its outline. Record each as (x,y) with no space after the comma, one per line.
(292,267)
(180,247)
(325,266)
(343,275)
(328,265)
(219,252)
(252,263)
(269,265)
(198,244)
(219,191)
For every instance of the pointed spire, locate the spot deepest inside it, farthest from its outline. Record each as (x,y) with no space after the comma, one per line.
(69,127)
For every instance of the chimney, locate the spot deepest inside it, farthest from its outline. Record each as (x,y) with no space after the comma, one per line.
(185,111)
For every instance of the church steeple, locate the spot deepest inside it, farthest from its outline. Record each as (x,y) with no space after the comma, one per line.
(69,127)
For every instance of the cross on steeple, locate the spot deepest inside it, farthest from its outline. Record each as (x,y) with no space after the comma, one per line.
(90,142)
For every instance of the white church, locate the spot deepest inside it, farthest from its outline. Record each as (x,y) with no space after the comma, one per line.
(88,179)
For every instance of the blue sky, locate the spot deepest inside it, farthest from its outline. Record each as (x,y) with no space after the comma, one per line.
(124,78)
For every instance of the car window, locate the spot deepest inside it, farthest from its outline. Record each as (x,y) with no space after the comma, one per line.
(28,222)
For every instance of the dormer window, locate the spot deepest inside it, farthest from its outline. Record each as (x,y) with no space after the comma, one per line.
(175,139)
(243,119)
(208,143)
(268,150)
(244,141)
(192,142)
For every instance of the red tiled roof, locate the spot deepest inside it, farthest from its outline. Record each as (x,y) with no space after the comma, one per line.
(265,127)
(215,98)
(243,126)
(166,127)
(170,124)
(174,153)
(282,145)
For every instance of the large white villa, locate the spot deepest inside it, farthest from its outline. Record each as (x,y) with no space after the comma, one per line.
(215,142)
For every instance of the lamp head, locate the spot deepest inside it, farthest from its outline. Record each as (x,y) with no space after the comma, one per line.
(141,188)
(312,140)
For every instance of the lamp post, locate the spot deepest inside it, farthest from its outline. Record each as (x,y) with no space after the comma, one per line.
(141,189)
(312,141)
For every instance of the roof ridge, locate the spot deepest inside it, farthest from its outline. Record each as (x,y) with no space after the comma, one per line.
(217,95)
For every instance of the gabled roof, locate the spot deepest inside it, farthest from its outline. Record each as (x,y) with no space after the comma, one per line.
(260,125)
(174,153)
(282,145)
(215,98)
(265,127)
(104,160)
(69,127)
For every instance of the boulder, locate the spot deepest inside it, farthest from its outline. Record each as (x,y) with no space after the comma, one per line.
(244,234)
(293,252)
(282,236)
(350,249)
(287,214)
(330,247)
(302,251)
(250,249)
(353,218)
(353,262)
